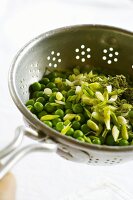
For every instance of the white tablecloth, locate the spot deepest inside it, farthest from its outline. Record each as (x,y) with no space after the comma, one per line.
(47,176)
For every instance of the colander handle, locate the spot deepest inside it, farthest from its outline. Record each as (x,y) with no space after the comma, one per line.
(15,153)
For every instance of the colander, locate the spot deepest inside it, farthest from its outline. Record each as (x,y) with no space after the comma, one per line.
(105,47)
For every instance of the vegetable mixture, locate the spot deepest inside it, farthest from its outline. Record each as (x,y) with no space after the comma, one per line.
(90,107)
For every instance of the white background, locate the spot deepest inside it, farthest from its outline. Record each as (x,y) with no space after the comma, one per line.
(43,176)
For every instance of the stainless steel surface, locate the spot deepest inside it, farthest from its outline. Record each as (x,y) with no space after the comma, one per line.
(13,144)
(13,153)
(85,45)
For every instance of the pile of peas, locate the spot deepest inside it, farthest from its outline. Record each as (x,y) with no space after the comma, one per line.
(54,101)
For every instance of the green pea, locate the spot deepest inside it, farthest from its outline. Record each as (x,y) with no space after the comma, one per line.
(63,75)
(46,97)
(85,129)
(30,102)
(55,121)
(40,94)
(52,98)
(38,106)
(102,139)
(110,140)
(77,108)
(55,89)
(59,126)
(60,106)
(76,125)
(96,141)
(68,105)
(70,132)
(82,118)
(31,108)
(42,113)
(53,75)
(51,85)
(48,123)
(76,71)
(78,133)
(60,113)
(71,92)
(49,108)
(36,86)
(81,139)
(44,81)
(34,94)
(42,86)
(123,142)
(68,111)
(130,114)
(41,100)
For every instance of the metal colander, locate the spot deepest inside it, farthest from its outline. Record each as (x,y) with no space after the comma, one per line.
(86,46)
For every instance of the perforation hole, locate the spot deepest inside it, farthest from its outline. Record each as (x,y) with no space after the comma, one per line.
(58,54)
(132,67)
(52,52)
(82,53)
(105,51)
(54,59)
(88,49)
(110,55)
(83,59)
(77,50)
(82,46)
(77,57)
(115,59)
(116,53)
(113,161)
(111,49)
(55,65)
(93,160)
(96,160)
(109,61)
(59,60)
(88,56)
(34,70)
(23,86)
(104,57)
